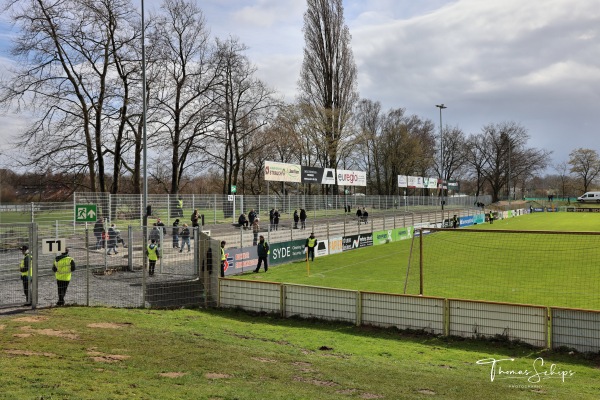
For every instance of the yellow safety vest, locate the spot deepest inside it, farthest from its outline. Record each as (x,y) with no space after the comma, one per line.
(223,254)
(152,252)
(63,267)
(312,242)
(180,203)
(22,265)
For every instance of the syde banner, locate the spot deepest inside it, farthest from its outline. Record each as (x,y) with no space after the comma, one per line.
(323,176)
(286,252)
(351,178)
(281,172)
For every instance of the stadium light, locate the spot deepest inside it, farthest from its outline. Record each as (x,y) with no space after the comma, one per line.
(441,107)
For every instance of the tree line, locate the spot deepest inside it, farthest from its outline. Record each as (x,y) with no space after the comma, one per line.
(211,123)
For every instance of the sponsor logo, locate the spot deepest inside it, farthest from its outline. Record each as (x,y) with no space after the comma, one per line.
(351,178)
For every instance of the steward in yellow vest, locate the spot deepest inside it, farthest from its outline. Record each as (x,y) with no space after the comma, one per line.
(153,253)
(26,272)
(63,267)
(311,243)
(223,258)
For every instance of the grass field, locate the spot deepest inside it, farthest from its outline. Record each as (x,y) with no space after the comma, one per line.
(550,270)
(97,353)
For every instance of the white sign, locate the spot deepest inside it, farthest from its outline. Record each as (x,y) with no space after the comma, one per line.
(229,197)
(402,181)
(351,178)
(53,246)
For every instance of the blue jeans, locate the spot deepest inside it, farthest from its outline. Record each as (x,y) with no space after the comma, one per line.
(184,241)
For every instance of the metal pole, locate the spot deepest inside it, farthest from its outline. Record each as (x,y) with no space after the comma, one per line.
(144,137)
(441,107)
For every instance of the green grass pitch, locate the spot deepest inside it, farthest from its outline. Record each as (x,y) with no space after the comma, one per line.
(550,270)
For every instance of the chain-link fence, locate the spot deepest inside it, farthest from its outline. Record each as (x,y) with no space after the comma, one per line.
(109,272)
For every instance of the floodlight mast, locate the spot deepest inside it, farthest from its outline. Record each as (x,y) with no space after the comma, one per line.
(442,177)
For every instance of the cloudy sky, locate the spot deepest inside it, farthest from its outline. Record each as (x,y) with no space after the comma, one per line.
(533,62)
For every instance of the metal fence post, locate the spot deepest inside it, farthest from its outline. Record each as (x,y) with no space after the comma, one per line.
(33,284)
(87,266)
(130,248)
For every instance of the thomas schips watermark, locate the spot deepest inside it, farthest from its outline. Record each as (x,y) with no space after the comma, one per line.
(539,371)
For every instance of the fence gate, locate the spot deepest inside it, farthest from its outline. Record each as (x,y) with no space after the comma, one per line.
(15,291)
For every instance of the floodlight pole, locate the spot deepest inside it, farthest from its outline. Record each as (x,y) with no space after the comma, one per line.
(441,107)
(144,137)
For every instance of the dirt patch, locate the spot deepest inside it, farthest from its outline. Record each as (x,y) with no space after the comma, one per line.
(2,327)
(315,382)
(108,325)
(301,364)
(28,353)
(51,332)
(370,396)
(212,375)
(426,391)
(307,352)
(264,360)
(35,318)
(346,391)
(107,358)
(173,374)
(22,335)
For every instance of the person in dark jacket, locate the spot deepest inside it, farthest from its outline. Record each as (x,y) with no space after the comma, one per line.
(296,219)
(276,220)
(303,218)
(311,245)
(112,239)
(262,248)
(98,230)
(185,237)
(175,233)
(271,216)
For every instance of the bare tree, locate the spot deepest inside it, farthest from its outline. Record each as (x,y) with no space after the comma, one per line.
(183,97)
(246,106)
(328,77)
(585,165)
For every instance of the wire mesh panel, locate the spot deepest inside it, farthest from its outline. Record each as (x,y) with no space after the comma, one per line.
(15,288)
(251,296)
(576,329)
(323,303)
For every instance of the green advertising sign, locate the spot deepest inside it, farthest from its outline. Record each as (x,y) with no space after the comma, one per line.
(392,235)
(85,213)
(286,252)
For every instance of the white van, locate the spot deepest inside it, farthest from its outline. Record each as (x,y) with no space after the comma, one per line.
(589,197)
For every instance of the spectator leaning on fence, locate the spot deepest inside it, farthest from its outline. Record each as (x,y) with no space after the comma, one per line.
(63,267)
(26,273)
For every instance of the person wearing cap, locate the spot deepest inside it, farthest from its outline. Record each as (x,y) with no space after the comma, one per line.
(63,266)
(153,253)
(223,258)
(26,274)
(311,243)
(175,234)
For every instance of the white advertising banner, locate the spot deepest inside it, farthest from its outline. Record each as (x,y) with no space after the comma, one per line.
(282,172)
(415,182)
(351,178)
(402,181)
(431,183)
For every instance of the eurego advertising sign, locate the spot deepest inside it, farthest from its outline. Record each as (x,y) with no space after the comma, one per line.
(351,178)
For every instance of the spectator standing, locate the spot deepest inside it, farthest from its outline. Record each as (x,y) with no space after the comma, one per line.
(112,240)
(98,230)
(359,215)
(365,215)
(263,254)
(175,233)
(180,207)
(185,238)
(195,218)
(276,219)
(271,216)
(26,272)
(63,267)
(455,221)
(311,243)
(255,230)
(153,253)
(161,226)
(119,238)
(251,217)
(296,219)
(303,218)
(155,234)
(491,217)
